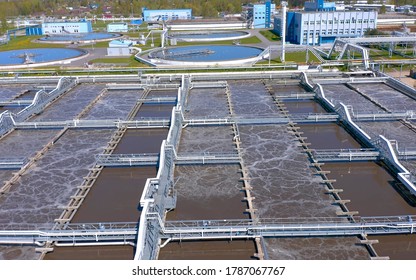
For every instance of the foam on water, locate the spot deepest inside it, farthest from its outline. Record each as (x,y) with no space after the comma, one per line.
(207,103)
(341,93)
(115,104)
(24,143)
(332,248)
(200,187)
(37,197)
(252,99)
(393,100)
(8,92)
(393,130)
(70,104)
(206,139)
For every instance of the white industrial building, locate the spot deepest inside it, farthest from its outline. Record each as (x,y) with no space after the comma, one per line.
(66,27)
(117,27)
(315,26)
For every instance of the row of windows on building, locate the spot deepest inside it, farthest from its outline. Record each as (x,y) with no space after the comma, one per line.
(333,32)
(347,21)
(166,17)
(60,26)
(60,31)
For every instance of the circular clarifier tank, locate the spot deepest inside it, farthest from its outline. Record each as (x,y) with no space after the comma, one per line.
(208,55)
(42,56)
(209,36)
(79,38)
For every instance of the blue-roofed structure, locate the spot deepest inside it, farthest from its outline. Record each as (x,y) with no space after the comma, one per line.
(319,5)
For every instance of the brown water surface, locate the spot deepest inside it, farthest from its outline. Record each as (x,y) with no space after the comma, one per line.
(396,247)
(304,107)
(92,253)
(371,189)
(209,250)
(139,141)
(328,136)
(115,196)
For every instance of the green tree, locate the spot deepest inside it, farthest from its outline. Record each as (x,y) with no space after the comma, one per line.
(383,9)
(3,22)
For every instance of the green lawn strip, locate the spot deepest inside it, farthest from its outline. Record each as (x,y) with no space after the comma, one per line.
(270,35)
(121,61)
(293,57)
(27,42)
(244,41)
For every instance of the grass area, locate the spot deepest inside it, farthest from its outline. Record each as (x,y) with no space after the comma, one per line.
(383,54)
(375,54)
(297,57)
(301,57)
(25,42)
(103,44)
(270,35)
(119,61)
(244,41)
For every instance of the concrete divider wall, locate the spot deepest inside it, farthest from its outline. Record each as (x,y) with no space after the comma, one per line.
(383,145)
(397,84)
(388,153)
(40,101)
(158,192)
(151,202)
(411,92)
(321,96)
(42,98)
(305,81)
(6,123)
(343,111)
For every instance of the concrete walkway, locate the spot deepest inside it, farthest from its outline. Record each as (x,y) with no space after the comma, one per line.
(264,41)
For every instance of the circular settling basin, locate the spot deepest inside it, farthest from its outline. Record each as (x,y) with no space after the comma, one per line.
(79,38)
(209,36)
(38,56)
(209,55)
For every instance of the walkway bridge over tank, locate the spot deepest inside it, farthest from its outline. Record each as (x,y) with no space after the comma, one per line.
(79,234)
(120,160)
(349,155)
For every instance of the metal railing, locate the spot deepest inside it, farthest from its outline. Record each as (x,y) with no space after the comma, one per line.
(307,118)
(12,163)
(207,158)
(95,233)
(208,229)
(385,116)
(127,159)
(346,155)
(158,100)
(294,95)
